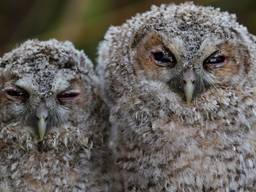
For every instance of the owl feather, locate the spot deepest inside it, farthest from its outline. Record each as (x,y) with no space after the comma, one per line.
(180,84)
(52,120)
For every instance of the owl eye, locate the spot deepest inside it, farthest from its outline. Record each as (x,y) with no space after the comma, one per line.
(16,93)
(164,58)
(214,60)
(68,96)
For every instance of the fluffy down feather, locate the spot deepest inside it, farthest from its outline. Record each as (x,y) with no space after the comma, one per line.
(159,142)
(70,157)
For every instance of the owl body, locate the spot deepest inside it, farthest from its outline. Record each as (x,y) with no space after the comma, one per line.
(179,81)
(52,136)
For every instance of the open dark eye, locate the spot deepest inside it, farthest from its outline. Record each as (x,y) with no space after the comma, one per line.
(16,93)
(214,60)
(67,96)
(164,58)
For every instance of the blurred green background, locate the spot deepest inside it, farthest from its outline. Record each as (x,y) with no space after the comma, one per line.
(85,21)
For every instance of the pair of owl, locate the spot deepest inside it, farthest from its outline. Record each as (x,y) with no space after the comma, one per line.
(172,108)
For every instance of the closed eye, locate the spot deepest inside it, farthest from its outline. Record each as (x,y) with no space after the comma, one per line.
(16,93)
(68,96)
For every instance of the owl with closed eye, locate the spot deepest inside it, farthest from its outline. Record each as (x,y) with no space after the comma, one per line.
(180,84)
(52,120)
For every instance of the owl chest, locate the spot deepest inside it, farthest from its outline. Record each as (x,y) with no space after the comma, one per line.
(214,154)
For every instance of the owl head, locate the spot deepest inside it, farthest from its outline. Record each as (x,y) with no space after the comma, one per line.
(187,48)
(45,87)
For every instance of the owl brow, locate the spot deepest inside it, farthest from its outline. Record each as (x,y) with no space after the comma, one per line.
(137,38)
(141,34)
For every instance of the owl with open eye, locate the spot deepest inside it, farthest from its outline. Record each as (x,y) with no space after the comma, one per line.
(52,120)
(180,84)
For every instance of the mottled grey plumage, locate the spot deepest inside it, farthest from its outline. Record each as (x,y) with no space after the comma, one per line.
(160,142)
(52,120)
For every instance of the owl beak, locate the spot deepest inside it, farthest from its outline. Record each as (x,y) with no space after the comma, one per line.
(189,87)
(41,128)
(42,115)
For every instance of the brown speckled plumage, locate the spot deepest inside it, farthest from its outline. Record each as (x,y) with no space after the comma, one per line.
(160,143)
(70,156)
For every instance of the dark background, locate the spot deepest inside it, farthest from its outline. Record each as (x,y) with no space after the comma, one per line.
(85,21)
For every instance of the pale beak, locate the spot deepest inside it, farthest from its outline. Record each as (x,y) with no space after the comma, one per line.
(189,91)
(42,124)
(42,115)
(189,87)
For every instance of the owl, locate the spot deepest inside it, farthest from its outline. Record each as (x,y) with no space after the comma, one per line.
(179,81)
(52,120)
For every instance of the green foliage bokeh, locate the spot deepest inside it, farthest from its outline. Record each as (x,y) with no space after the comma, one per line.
(85,21)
